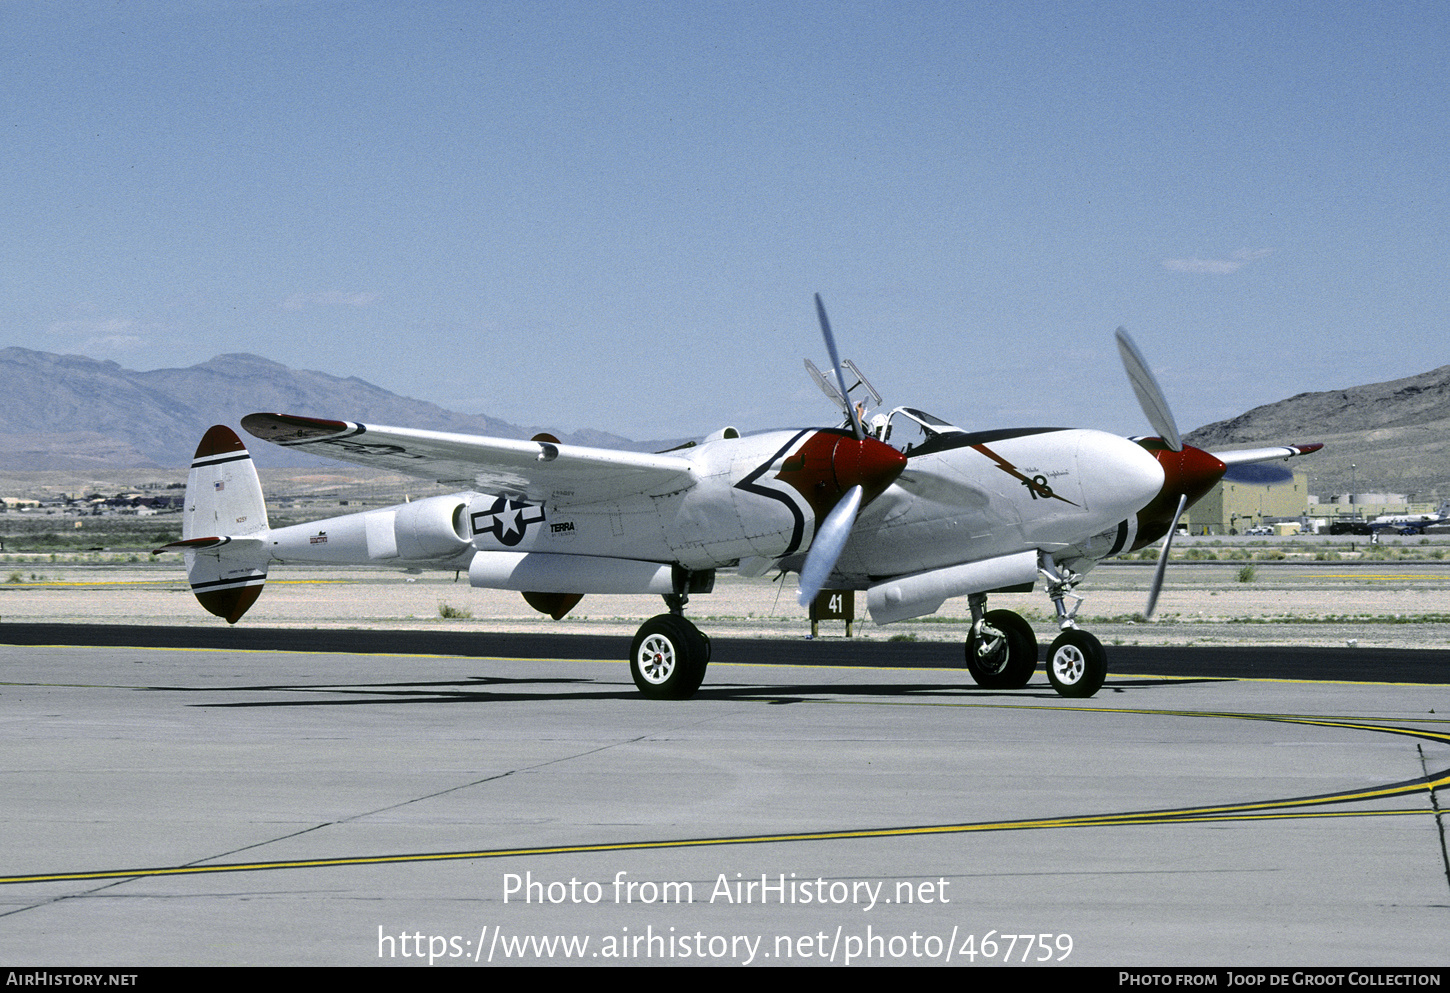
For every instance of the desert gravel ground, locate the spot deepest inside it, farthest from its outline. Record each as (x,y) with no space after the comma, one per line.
(1382,604)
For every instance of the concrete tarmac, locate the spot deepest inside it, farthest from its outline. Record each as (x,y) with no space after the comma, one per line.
(219,806)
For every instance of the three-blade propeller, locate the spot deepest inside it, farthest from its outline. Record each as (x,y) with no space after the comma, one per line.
(872,464)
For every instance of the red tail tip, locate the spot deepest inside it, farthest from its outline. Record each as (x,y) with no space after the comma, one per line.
(218,440)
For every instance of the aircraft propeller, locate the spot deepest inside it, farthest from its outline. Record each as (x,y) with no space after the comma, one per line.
(873,464)
(836,367)
(1189,469)
(1162,566)
(827,545)
(1150,395)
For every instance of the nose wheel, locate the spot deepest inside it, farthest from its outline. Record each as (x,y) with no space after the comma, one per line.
(1002,650)
(1077,664)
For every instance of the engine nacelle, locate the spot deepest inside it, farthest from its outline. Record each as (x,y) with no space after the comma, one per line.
(431,528)
(423,531)
(924,592)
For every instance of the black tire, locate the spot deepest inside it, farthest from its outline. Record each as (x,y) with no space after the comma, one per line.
(1077,664)
(1013,659)
(668,657)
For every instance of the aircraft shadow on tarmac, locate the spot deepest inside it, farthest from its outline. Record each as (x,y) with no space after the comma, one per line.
(496,689)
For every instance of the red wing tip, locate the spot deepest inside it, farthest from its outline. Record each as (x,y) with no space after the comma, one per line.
(1306,449)
(292,427)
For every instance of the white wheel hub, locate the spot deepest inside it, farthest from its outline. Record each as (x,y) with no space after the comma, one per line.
(1069,664)
(656,659)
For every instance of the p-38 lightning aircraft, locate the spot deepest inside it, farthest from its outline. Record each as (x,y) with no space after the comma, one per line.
(909,508)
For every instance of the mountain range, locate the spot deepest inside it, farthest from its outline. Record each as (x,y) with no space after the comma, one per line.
(1382,437)
(68,412)
(73,412)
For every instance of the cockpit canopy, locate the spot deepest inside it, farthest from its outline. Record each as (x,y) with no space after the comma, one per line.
(907,429)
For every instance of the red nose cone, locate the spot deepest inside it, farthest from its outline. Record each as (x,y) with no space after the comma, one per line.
(830,463)
(1191,473)
(867,463)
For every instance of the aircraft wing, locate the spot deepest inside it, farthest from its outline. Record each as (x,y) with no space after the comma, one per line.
(1249,455)
(538,470)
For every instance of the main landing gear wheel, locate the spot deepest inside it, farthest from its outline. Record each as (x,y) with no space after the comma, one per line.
(668,658)
(1077,664)
(1011,652)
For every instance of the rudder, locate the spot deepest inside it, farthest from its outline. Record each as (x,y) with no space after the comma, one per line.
(224,526)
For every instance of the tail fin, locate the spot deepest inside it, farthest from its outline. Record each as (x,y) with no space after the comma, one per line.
(224,526)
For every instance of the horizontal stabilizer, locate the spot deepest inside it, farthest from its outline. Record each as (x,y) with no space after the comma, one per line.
(197,544)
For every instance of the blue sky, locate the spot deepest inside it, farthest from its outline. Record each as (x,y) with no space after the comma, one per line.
(615,214)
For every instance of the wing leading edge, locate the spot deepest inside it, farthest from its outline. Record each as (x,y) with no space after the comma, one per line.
(1248,456)
(539,470)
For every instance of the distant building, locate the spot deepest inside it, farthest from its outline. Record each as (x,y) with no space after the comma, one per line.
(1361,499)
(1367,506)
(1235,506)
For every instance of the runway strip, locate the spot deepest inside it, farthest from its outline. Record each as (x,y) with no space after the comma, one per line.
(274,799)
(1259,810)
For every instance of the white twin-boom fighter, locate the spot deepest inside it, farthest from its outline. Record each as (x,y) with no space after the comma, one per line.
(907,507)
